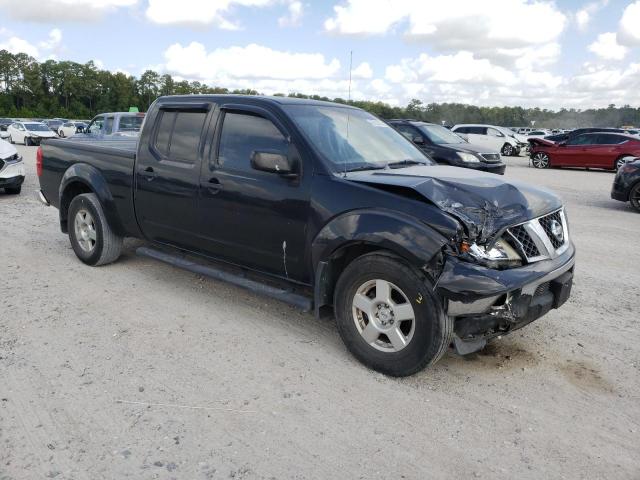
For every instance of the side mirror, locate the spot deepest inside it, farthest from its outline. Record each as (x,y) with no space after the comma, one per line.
(273,163)
(418,140)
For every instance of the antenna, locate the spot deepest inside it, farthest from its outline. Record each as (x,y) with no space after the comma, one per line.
(348,103)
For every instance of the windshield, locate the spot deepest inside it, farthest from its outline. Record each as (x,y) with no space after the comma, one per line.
(54,123)
(440,135)
(352,139)
(36,127)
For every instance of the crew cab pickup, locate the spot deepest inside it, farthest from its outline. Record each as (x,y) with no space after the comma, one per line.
(327,207)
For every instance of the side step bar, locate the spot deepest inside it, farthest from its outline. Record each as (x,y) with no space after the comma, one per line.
(295,299)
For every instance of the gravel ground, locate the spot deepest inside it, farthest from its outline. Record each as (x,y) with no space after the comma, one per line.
(141,370)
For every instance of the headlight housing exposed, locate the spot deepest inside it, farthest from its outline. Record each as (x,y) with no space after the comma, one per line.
(500,255)
(468,157)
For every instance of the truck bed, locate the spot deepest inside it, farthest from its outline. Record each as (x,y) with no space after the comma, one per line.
(114,158)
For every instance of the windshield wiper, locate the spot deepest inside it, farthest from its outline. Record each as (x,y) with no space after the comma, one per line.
(405,163)
(366,167)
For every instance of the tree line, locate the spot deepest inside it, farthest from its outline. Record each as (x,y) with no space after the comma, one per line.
(32,89)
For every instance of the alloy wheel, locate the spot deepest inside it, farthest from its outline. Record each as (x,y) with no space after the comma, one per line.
(85,230)
(383,315)
(540,160)
(507,150)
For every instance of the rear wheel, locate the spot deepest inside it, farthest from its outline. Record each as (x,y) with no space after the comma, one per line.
(634,197)
(388,316)
(92,239)
(540,160)
(507,150)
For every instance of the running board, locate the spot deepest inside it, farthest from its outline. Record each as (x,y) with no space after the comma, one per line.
(295,299)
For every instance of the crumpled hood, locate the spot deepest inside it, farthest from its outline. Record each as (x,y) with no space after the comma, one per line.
(6,150)
(484,202)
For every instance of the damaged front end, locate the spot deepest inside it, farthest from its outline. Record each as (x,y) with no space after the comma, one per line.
(487,302)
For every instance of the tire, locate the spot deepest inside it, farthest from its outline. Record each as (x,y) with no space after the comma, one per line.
(11,140)
(13,190)
(540,160)
(61,133)
(423,339)
(634,197)
(507,150)
(91,237)
(27,141)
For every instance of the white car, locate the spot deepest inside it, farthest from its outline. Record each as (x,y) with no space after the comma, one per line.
(538,134)
(11,168)
(69,129)
(29,133)
(491,137)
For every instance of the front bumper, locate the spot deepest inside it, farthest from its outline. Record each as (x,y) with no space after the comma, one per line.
(12,174)
(497,168)
(487,303)
(620,189)
(12,182)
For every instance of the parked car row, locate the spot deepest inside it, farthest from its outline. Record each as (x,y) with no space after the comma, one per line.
(32,132)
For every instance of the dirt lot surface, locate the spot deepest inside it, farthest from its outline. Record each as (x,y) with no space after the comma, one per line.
(140,370)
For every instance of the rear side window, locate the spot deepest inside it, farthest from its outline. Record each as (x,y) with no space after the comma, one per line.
(609,139)
(130,123)
(494,133)
(243,134)
(178,135)
(406,131)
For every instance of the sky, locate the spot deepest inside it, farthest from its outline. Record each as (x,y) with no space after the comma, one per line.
(567,53)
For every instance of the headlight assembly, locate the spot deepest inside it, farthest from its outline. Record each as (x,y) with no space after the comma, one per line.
(468,157)
(500,255)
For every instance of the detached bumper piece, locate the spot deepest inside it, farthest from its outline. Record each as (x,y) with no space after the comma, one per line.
(515,298)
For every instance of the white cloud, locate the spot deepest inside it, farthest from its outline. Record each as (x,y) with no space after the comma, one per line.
(199,13)
(606,46)
(61,10)
(472,25)
(362,71)
(584,15)
(628,33)
(294,16)
(44,50)
(250,62)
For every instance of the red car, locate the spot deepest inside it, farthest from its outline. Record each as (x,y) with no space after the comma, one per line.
(588,150)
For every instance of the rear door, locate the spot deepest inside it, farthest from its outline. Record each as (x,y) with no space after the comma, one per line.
(255,219)
(167,174)
(610,147)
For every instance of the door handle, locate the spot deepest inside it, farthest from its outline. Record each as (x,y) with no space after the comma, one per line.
(149,173)
(214,185)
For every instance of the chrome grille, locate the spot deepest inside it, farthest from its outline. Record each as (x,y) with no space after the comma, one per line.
(525,241)
(546,225)
(491,157)
(535,239)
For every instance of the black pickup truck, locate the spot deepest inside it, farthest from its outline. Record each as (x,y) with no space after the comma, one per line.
(326,207)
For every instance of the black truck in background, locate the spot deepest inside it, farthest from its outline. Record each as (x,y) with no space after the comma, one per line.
(326,207)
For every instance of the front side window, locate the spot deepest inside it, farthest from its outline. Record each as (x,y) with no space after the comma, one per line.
(492,132)
(243,134)
(96,125)
(352,139)
(583,140)
(406,131)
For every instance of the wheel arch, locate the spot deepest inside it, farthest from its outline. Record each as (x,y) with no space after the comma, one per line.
(358,233)
(83,178)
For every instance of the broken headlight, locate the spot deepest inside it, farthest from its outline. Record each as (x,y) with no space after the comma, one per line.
(500,255)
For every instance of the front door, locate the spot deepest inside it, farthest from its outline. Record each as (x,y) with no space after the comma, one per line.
(167,174)
(253,218)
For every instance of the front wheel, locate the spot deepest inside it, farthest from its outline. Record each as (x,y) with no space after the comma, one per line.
(11,140)
(540,160)
(507,150)
(61,133)
(388,316)
(634,197)
(92,239)
(27,142)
